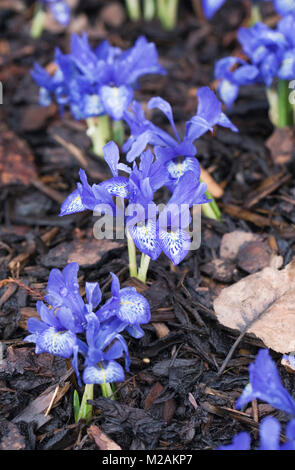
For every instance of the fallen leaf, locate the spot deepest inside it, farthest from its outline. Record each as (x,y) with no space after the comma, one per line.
(102,441)
(281,145)
(113,14)
(233,241)
(36,117)
(169,410)
(16,159)
(192,400)
(154,393)
(264,304)
(254,256)
(35,411)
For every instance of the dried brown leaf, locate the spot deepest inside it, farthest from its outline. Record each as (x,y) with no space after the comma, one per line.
(233,241)
(154,393)
(263,304)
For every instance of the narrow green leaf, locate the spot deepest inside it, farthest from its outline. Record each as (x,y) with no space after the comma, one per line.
(76,406)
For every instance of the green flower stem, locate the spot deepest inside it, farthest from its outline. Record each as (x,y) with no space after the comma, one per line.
(255,15)
(211,209)
(272,98)
(107,391)
(85,411)
(131,255)
(99,132)
(118,132)
(38,22)
(143,269)
(285,115)
(167,13)
(149,9)
(133,9)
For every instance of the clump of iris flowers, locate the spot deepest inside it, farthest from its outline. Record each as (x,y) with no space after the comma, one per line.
(70,327)
(271,60)
(265,384)
(149,227)
(59,9)
(97,85)
(176,154)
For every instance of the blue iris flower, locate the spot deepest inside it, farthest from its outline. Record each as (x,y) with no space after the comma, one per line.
(105,344)
(176,154)
(151,231)
(282,7)
(59,9)
(232,77)
(271,54)
(65,317)
(96,82)
(265,384)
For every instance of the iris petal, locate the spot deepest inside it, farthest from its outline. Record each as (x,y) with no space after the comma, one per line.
(134,308)
(72,204)
(105,372)
(175,244)
(116,100)
(146,240)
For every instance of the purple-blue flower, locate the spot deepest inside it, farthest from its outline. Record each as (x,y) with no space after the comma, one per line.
(97,82)
(265,384)
(59,9)
(176,154)
(65,318)
(241,441)
(269,433)
(151,231)
(271,55)
(105,344)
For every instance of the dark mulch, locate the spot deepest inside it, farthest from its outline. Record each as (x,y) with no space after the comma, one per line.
(173,397)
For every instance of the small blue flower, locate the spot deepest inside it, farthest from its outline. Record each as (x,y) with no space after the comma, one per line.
(96,82)
(232,77)
(176,155)
(67,317)
(59,9)
(126,304)
(271,54)
(269,433)
(149,230)
(265,384)
(282,7)
(241,441)
(100,363)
